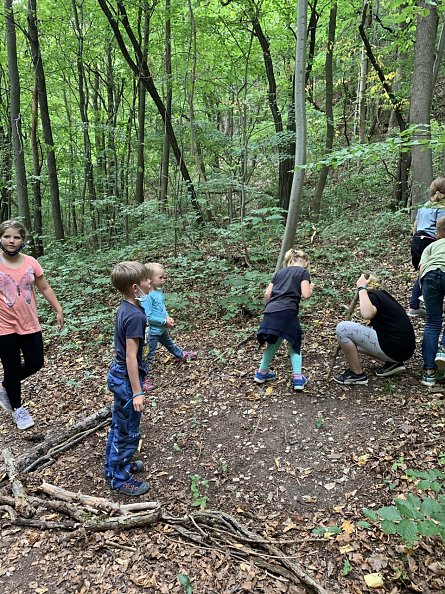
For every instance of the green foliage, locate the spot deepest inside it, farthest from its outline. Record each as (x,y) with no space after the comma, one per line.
(414,517)
(199,487)
(185,583)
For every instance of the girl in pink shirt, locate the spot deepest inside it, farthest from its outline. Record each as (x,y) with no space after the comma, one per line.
(20,333)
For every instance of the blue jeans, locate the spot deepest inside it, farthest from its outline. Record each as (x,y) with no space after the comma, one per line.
(433,290)
(166,340)
(124,435)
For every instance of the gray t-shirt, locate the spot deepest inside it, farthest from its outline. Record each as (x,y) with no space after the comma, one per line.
(286,292)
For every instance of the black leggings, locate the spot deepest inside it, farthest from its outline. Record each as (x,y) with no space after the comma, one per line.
(12,348)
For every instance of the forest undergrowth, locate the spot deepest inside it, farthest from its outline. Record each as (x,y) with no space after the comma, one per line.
(347,481)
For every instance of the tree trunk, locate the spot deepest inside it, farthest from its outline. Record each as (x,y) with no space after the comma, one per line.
(316,204)
(46,120)
(37,169)
(361,99)
(16,118)
(421,98)
(301,134)
(168,105)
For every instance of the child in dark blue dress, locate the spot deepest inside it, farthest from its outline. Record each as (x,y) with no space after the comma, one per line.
(280,321)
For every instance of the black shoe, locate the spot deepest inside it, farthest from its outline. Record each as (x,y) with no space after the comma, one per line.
(390,368)
(349,377)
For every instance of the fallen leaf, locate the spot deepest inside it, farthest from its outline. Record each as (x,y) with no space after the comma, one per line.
(373,580)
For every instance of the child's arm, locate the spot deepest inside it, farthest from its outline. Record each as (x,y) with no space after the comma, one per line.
(268,292)
(43,286)
(306,289)
(153,318)
(131,349)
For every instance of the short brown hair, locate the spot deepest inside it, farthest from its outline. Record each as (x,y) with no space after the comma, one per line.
(438,185)
(440,228)
(14,224)
(126,274)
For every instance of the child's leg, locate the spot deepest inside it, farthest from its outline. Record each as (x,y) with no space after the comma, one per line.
(153,344)
(124,435)
(269,354)
(32,351)
(295,360)
(11,360)
(166,340)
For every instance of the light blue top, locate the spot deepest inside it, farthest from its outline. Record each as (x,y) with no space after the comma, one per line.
(428,215)
(155,311)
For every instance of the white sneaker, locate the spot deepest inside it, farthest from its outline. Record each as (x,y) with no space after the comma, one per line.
(4,400)
(22,418)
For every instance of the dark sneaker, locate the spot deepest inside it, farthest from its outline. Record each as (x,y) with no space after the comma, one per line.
(440,359)
(187,356)
(260,378)
(416,313)
(133,487)
(299,381)
(22,418)
(349,377)
(137,466)
(390,368)
(4,400)
(431,380)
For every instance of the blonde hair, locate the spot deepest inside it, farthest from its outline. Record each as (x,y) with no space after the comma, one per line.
(126,274)
(152,268)
(13,224)
(437,185)
(295,258)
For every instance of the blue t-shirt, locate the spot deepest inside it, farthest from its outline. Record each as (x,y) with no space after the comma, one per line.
(428,215)
(155,311)
(130,323)
(286,291)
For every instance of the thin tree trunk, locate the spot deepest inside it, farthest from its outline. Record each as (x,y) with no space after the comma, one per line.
(316,204)
(37,169)
(168,105)
(301,134)
(361,99)
(142,92)
(53,181)
(16,117)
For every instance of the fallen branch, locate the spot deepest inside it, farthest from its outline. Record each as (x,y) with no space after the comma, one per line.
(54,443)
(18,490)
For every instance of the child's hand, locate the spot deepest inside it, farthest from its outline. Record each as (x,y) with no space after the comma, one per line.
(170,322)
(138,403)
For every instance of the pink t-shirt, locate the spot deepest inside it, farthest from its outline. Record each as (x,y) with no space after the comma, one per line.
(18,309)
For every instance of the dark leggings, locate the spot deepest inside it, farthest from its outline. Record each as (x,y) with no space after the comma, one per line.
(12,348)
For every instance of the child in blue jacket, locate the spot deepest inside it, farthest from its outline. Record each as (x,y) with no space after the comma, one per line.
(159,321)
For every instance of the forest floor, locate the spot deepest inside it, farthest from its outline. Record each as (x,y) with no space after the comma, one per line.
(282,462)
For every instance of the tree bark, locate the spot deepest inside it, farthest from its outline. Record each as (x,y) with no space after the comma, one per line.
(301,134)
(421,98)
(37,168)
(168,105)
(16,117)
(53,181)
(316,203)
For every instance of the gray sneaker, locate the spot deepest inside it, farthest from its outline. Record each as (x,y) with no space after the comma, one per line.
(4,400)
(416,313)
(22,418)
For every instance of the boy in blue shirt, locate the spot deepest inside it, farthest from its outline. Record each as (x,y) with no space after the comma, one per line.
(125,378)
(159,320)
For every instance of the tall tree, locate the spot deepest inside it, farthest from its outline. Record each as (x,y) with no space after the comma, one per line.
(301,133)
(16,116)
(33,36)
(421,98)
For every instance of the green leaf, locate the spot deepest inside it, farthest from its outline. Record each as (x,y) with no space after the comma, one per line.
(371,514)
(428,528)
(429,506)
(407,510)
(389,513)
(347,567)
(407,529)
(389,527)
(363,524)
